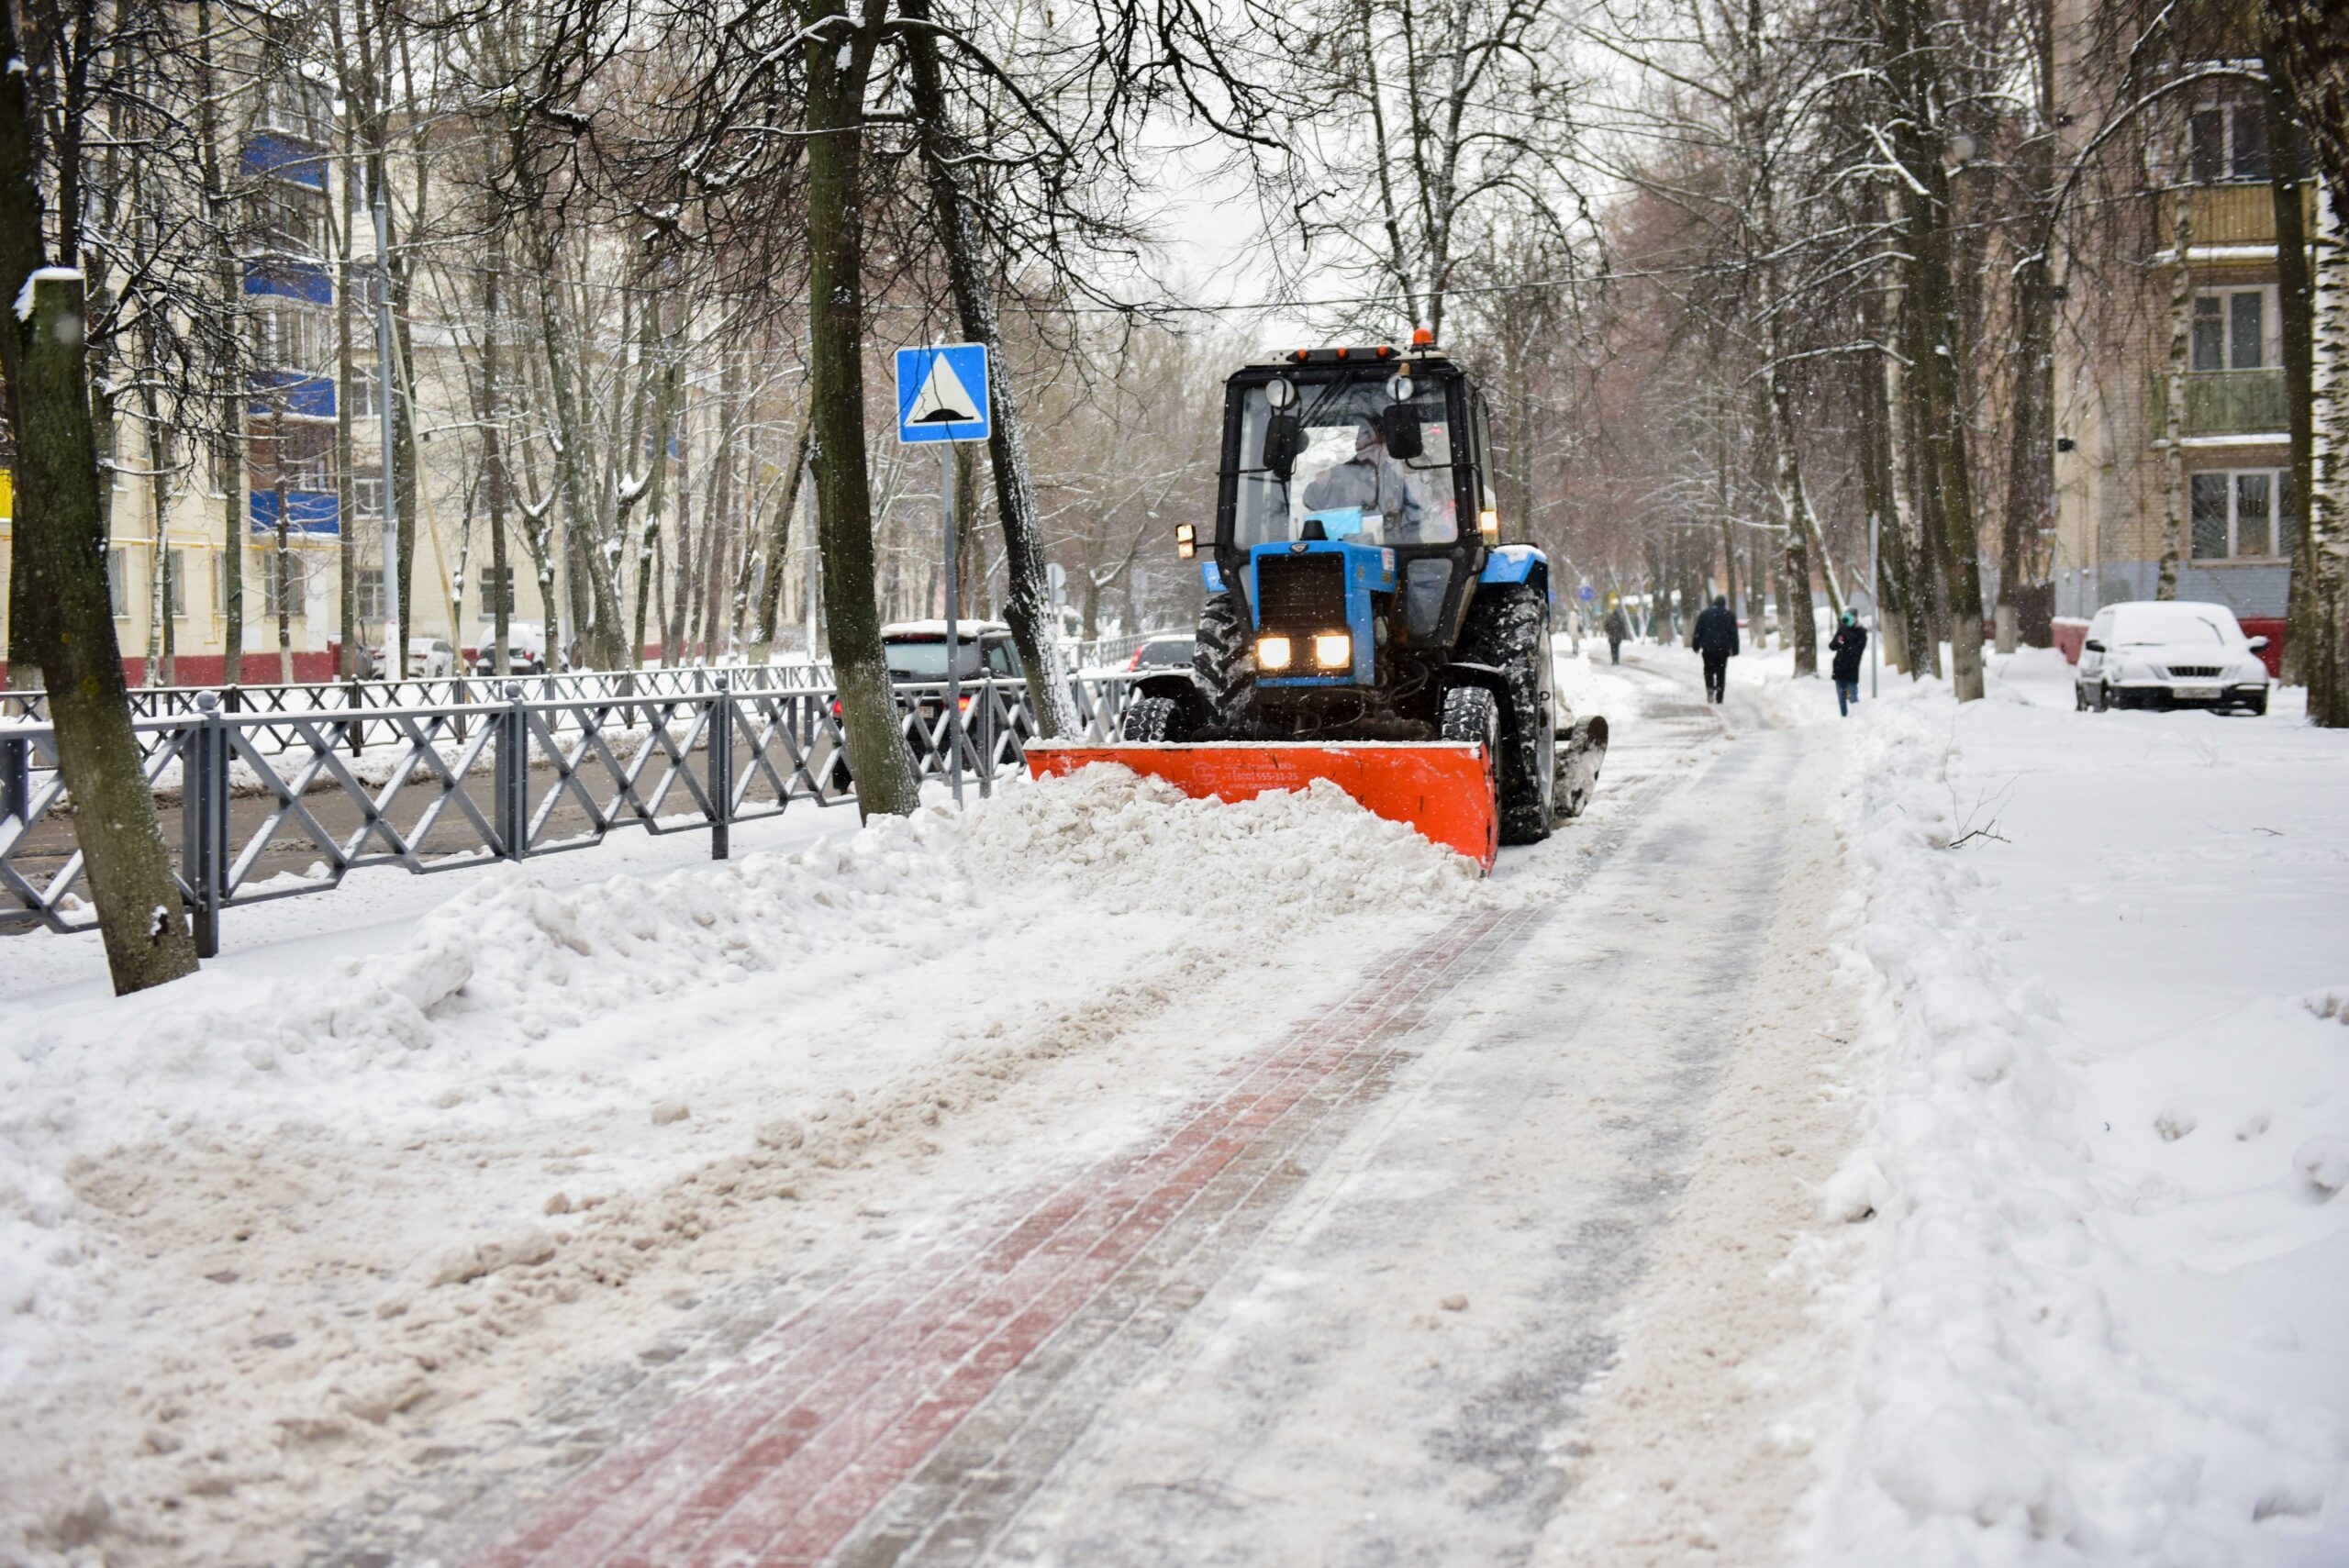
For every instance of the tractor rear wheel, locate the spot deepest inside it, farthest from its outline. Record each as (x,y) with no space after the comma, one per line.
(1152,718)
(1509,628)
(1224,661)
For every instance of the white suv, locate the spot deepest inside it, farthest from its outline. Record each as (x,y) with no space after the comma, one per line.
(2157,653)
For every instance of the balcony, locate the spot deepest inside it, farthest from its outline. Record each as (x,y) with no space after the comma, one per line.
(2225,402)
(2234,214)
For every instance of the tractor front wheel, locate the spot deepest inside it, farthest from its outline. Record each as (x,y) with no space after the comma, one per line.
(1224,661)
(1153,718)
(1471,714)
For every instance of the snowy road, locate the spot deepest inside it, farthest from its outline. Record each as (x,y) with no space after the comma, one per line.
(1348,1212)
(1361,1327)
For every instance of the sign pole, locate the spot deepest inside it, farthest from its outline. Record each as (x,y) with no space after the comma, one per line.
(953,681)
(943,397)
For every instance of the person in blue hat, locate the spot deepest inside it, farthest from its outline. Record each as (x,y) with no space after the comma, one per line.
(1848,644)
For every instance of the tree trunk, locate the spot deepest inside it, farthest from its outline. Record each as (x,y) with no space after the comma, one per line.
(2181,333)
(2327,665)
(2030,457)
(60,552)
(839,55)
(280,565)
(1028,600)
(600,637)
(346,491)
(2295,306)
(230,453)
(492,462)
(778,548)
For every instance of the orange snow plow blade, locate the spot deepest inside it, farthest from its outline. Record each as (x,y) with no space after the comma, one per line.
(1442,788)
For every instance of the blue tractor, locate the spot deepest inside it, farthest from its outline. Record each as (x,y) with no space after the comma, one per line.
(1358,588)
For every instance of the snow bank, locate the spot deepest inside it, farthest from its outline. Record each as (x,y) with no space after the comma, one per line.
(478,1021)
(2115,1270)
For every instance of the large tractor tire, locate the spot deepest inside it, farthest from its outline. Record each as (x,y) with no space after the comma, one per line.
(1224,663)
(1509,628)
(1472,714)
(1153,718)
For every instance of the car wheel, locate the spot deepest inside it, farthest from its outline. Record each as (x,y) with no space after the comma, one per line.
(2103,697)
(2257,707)
(1153,718)
(2079,697)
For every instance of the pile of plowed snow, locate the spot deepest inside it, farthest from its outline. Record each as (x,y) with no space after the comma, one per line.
(477,1003)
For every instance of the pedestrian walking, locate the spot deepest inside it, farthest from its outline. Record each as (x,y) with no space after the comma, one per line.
(1618,629)
(1716,643)
(1849,644)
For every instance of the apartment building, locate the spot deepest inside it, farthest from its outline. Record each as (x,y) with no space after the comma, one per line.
(2115,451)
(292,184)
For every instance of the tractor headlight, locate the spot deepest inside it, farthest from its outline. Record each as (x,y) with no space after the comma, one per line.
(1333,650)
(1488,524)
(1273,653)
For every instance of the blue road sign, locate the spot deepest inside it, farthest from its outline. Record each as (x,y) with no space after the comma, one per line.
(1588,593)
(942,393)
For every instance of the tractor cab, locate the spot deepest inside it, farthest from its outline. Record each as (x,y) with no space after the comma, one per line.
(1364,623)
(1356,519)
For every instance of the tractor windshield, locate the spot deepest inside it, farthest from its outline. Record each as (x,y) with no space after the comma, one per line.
(1344,484)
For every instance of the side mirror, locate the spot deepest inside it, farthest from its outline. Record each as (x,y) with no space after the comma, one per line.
(2257,643)
(1186,540)
(2093,645)
(1283,440)
(1399,423)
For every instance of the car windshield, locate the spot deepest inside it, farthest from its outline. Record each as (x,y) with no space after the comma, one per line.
(926,660)
(2139,626)
(1344,478)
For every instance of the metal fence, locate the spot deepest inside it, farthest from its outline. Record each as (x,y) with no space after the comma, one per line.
(285,801)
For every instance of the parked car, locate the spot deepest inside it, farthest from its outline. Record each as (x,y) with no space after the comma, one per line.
(1172,651)
(427,656)
(2174,653)
(916,651)
(525,648)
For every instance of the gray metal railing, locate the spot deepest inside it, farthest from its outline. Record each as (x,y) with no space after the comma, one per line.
(281,804)
(344,696)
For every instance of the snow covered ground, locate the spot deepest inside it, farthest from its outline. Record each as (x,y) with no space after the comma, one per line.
(2110,1117)
(1912,1138)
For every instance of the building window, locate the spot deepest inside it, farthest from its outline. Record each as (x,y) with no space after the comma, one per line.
(2232,329)
(2227,142)
(2237,513)
(294,106)
(175,582)
(290,336)
(497,590)
(296,577)
(367,495)
(288,218)
(118,584)
(369,588)
(303,449)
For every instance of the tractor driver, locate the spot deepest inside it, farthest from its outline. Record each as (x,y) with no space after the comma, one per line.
(1374,481)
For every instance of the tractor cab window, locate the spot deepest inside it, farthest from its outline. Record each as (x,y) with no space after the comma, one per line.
(1342,482)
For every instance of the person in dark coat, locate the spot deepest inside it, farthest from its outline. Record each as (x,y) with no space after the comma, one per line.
(1716,643)
(1849,643)
(1618,629)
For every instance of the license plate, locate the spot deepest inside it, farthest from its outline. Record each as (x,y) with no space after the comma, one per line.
(2195,693)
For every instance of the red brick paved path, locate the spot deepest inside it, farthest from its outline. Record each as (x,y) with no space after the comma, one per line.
(794,1448)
